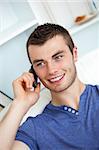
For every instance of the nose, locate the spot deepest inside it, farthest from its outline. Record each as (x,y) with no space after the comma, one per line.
(52,68)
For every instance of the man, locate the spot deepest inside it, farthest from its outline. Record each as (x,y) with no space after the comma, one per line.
(70,120)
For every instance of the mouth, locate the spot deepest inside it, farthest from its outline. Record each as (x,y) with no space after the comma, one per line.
(56,79)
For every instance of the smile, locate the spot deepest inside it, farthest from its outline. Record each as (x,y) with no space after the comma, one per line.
(56,79)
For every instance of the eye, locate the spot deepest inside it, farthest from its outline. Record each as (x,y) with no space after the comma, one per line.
(59,57)
(40,64)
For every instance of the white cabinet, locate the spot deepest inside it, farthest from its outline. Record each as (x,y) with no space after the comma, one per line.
(86,36)
(15,18)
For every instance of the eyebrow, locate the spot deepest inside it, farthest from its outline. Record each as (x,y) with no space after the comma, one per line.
(37,61)
(40,60)
(59,52)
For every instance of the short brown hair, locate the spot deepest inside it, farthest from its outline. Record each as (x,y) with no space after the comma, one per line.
(47,31)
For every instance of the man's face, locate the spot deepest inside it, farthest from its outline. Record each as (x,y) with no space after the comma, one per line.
(54,64)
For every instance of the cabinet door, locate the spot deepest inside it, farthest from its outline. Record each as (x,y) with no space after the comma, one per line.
(15,18)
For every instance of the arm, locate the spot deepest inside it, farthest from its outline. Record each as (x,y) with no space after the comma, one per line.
(24,98)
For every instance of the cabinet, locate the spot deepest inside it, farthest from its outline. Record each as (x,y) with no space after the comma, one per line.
(16,17)
(86,36)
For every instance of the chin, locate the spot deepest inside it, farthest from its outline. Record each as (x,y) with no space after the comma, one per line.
(59,89)
(56,88)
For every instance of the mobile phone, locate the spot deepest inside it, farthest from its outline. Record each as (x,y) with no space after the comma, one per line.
(35,76)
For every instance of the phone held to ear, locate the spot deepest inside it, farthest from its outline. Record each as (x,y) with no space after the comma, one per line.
(35,77)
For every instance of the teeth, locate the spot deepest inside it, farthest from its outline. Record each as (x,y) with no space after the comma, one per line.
(56,79)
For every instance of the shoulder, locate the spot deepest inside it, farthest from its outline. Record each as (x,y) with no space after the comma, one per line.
(94,87)
(38,118)
(91,92)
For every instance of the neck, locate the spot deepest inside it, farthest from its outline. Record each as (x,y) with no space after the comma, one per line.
(69,96)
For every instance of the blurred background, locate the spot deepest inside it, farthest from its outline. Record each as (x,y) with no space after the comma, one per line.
(19,18)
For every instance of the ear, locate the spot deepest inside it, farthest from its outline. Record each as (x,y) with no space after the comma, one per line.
(75,53)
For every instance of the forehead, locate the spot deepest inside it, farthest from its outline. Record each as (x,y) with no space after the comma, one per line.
(48,49)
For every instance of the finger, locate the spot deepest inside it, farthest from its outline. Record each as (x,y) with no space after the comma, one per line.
(29,79)
(28,82)
(29,74)
(23,81)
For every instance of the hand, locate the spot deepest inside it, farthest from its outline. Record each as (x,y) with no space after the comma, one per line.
(23,92)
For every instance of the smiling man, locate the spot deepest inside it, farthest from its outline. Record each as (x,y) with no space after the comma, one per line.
(69,121)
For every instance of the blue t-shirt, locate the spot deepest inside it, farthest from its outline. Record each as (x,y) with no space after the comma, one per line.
(63,128)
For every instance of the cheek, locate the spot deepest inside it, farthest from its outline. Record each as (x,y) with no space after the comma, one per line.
(70,62)
(64,65)
(41,73)
(68,66)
